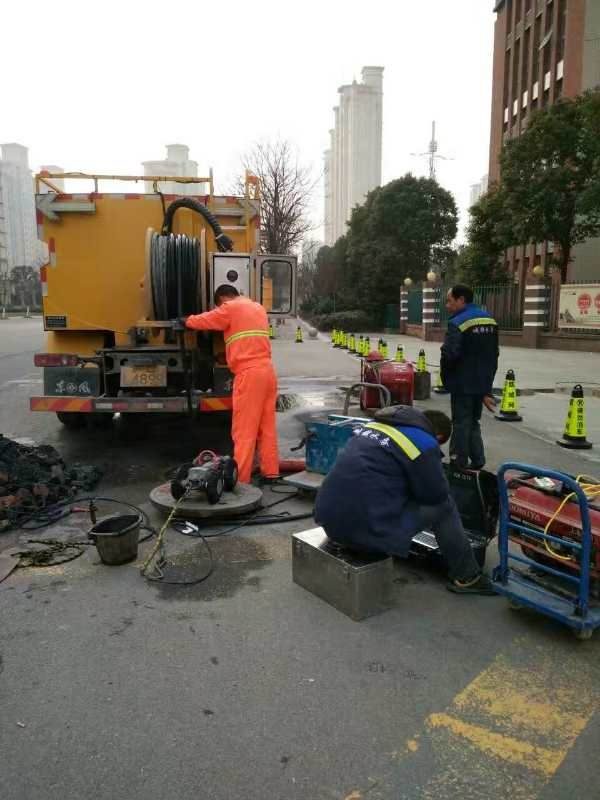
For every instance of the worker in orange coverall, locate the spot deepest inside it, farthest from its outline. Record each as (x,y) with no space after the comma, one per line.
(245,326)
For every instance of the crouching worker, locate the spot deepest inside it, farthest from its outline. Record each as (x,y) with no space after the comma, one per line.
(388,484)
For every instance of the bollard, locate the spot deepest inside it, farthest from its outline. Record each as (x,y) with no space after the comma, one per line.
(3,312)
(359,349)
(333,337)
(421,364)
(27,313)
(574,436)
(400,354)
(299,339)
(367,346)
(384,349)
(509,406)
(351,343)
(271,334)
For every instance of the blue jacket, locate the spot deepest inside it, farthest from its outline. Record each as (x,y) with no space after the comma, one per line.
(469,357)
(368,500)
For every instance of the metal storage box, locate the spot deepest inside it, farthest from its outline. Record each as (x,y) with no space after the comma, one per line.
(357,585)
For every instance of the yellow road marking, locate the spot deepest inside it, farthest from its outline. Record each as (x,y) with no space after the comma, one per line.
(496,744)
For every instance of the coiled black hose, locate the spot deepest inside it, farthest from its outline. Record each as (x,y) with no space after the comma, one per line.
(224,243)
(174,265)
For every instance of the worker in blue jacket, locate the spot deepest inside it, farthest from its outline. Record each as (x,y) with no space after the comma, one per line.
(469,361)
(388,484)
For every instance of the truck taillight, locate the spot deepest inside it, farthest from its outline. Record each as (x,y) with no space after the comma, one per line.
(55,360)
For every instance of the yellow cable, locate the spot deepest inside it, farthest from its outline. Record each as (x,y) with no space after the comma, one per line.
(590,490)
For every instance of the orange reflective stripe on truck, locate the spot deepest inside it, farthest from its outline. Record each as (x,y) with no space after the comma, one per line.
(61,404)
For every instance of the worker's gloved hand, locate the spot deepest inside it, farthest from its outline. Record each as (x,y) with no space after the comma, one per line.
(178,324)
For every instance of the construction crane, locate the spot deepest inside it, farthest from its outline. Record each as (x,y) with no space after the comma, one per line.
(432,153)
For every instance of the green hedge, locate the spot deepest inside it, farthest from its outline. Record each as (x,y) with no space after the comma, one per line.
(350,321)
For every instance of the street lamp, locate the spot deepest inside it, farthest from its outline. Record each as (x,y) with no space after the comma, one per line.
(408,282)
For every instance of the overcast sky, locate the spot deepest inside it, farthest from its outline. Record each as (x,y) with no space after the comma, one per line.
(102,87)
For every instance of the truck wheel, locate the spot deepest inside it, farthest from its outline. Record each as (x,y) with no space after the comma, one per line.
(230,477)
(73,420)
(214,488)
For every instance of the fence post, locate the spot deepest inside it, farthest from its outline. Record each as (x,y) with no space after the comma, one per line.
(403,309)
(535,310)
(429,301)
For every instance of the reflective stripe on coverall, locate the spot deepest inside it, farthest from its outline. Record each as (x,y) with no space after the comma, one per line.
(248,350)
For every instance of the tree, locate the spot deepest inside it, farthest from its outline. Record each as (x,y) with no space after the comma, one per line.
(481,259)
(402,230)
(286,189)
(550,175)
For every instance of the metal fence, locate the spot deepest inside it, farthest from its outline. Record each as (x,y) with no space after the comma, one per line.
(415,306)
(503,301)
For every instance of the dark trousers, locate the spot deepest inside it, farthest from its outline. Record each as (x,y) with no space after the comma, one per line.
(466,441)
(444,520)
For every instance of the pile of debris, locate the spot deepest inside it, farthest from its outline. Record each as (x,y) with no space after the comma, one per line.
(33,478)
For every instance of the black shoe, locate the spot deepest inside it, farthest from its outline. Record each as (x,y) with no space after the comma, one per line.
(272,480)
(479,585)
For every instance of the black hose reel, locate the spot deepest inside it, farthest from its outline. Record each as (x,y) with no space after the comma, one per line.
(175,263)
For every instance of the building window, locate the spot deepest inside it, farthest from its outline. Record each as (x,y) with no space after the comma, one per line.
(547,79)
(560,70)
(515,108)
(506,116)
(525,98)
(535,90)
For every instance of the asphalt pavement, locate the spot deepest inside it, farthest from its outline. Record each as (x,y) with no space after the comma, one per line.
(247,686)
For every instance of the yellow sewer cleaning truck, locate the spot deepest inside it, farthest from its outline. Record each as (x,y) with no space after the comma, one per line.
(121,268)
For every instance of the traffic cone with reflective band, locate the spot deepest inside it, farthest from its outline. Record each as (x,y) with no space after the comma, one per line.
(439,387)
(509,406)
(400,354)
(271,334)
(360,345)
(574,436)
(421,364)
(299,339)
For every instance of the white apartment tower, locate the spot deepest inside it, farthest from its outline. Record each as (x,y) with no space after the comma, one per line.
(19,245)
(353,161)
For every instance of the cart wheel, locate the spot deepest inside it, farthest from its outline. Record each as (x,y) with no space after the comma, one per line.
(230,474)
(214,488)
(514,605)
(583,634)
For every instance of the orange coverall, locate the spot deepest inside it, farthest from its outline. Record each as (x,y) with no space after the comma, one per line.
(245,326)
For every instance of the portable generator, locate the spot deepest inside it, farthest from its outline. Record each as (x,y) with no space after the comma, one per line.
(208,473)
(546,505)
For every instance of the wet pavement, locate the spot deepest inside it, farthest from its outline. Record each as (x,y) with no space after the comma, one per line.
(247,686)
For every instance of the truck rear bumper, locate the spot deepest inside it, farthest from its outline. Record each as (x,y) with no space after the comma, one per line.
(129,405)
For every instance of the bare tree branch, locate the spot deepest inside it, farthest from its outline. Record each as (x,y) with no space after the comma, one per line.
(286,192)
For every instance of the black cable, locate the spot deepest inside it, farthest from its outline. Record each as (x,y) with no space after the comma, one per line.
(224,243)
(159,577)
(49,515)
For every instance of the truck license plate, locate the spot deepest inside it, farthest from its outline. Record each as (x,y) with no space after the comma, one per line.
(142,376)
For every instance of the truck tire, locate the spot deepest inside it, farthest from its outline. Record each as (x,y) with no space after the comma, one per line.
(73,420)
